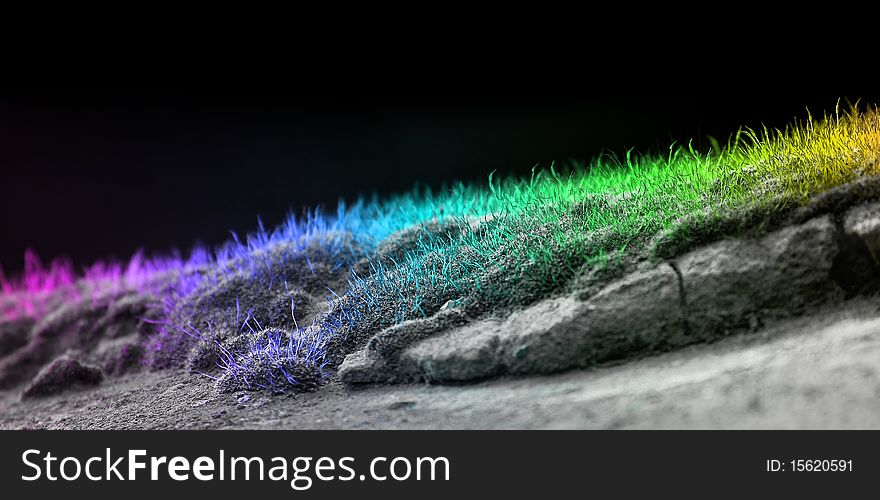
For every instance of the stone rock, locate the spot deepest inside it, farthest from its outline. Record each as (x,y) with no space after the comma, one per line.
(465,353)
(727,283)
(863,222)
(390,342)
(638,313)
(61,375)
(362,368)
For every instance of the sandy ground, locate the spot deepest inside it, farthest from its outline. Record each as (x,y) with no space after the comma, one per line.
(817,372)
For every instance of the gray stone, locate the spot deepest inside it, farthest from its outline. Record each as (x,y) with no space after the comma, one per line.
(390,342)
(61,375)
(360,367)
(863,222)
(465,353)
(638,313)
(726,284)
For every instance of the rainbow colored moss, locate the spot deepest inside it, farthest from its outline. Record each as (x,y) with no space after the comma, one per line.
(479,248)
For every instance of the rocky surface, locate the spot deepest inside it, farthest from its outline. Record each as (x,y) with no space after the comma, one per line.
(816,372)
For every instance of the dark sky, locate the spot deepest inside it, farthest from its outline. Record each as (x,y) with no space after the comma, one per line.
(91,174)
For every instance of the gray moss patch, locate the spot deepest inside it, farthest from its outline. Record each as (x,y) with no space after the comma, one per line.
(61,375)
(272,359)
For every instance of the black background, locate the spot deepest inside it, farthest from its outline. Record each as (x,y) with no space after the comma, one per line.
(98,167)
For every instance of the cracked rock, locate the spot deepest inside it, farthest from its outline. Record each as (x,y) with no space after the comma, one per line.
(726,284)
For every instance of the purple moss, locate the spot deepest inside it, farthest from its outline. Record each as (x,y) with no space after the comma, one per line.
(275,360)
